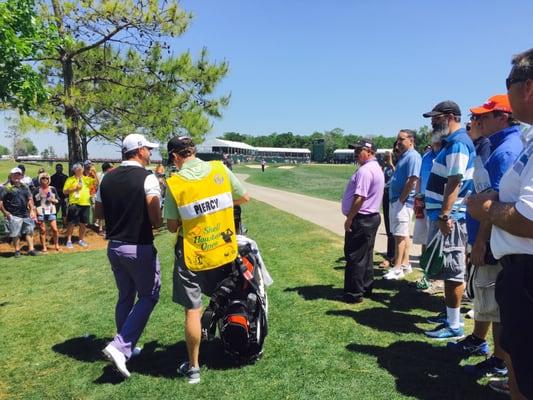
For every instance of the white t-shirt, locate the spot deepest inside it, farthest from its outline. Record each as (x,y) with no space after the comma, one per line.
(151,184)
(516,186)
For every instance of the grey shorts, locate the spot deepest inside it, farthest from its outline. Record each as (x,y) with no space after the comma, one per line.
(485,306)
(17,226)
(454,251)
(188,286)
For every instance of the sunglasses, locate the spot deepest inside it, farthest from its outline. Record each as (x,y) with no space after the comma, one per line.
(45,179)
(512,80)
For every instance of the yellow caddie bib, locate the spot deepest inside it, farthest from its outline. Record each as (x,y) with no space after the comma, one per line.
(206,211)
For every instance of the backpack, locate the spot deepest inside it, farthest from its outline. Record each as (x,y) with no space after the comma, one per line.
(238,307)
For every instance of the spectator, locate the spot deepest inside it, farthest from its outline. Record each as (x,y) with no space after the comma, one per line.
(128,198)
(58,180)
(493,121)
(92,190)
(227,161)
(16,204)
(388,171)
(449,182)
(35,181)
(361,204)
(401,200)
(202,259)
(511,214)
(78,187)
(263,165)
(106,167)
(46,198)
(481,143)
(160,175)
(87,164)
(26,180)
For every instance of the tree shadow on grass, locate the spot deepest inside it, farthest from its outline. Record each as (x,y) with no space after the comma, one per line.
(404,297)
(425,372)
(154,360)
(383,319)
(317,292)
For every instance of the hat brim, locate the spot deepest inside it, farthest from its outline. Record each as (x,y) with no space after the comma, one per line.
(355,146)
(432,114)
(484,110)
(151,145)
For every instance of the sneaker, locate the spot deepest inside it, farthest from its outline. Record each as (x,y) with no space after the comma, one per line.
(469,346)
(423,284)
(17,254)
(470,314)
(501,386)
(118,359)
(395,273)
(192,374)
(445,332)
(492,366)
(32,253)
(83,243)
(407,269)
(440,319)
(69,245)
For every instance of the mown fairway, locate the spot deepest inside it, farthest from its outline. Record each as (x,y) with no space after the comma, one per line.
(56,314)
(324,181)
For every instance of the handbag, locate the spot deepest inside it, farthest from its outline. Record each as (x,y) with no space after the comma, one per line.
(432,259)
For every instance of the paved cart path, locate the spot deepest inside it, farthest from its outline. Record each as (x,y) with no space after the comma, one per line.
(325,213)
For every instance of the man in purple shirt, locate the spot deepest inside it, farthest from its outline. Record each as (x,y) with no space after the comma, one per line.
(361,204)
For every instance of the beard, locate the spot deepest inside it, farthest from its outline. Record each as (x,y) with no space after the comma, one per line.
(440,130)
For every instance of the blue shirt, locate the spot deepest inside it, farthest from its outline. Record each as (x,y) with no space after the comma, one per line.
(482,146)
(505,146)
(425,169)
(408,165)
(455,158)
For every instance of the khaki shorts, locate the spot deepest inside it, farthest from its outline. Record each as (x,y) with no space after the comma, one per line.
(400,217)
(485,306)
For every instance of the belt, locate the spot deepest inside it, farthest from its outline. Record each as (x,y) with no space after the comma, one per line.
(360,216)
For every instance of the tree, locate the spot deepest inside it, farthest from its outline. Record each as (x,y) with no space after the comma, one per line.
(4,151)
(23,37)
(423,138)
(49,152)
(108,76)
(25,147)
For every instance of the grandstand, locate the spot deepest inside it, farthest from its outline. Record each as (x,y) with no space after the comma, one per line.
(346,156)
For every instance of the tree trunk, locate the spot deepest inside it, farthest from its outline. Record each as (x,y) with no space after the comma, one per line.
(84,151)
(71,116)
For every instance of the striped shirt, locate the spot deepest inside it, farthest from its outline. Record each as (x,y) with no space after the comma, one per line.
(456,158)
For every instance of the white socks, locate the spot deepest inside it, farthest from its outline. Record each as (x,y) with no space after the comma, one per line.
(454,317)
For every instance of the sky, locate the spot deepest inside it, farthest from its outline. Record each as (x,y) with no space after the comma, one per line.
(368,67)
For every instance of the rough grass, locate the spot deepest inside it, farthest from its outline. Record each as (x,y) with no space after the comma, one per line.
(56,314)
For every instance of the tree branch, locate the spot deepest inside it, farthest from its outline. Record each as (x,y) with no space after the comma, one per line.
(99,42)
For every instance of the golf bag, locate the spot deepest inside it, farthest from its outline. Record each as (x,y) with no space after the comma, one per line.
(239,306)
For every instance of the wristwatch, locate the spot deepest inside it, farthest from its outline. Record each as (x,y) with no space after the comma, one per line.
(443,217)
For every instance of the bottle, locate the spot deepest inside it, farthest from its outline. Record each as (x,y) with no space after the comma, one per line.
(481,176)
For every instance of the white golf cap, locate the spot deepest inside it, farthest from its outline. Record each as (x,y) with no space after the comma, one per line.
(16,170)
(136,141)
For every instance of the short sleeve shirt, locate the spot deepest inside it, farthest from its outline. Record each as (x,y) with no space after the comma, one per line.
(83,196)
(367,182)
(15,199)
(408,165)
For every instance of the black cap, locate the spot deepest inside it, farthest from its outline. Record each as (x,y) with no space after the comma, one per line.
(21,167)
(178,143)
(444,107)
(366,143)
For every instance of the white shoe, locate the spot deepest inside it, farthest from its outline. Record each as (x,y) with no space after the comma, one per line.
(395,273)
(407,269)
(118,359)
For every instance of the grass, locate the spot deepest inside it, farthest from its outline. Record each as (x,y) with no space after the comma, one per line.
(57,314)
(323,181)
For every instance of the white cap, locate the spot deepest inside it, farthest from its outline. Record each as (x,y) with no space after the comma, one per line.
(16,170)
(136,141)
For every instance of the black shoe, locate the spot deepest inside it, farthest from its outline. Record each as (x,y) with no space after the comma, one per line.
(32,253)
(351,298)
(17,254)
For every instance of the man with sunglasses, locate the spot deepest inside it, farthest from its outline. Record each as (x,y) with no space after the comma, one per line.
(361,204)
(449,183)
(493,120)
(401,202)
(510,211)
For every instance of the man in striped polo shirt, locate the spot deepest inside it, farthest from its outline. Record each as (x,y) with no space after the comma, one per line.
(449,183)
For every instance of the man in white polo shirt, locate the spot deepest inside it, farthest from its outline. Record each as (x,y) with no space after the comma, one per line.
(511,214)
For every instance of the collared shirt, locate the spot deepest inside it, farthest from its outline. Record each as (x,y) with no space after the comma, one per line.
(151,184)
(505,147)
(456,158)
(425,169)
(516,186)
(368,182)
(482,146)
(194,170)
(408,165)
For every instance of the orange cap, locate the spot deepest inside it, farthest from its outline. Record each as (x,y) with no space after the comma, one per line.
(500,102)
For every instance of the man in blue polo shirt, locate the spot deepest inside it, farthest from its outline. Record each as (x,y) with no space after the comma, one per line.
(493,120)
(449,182)
(401,200)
